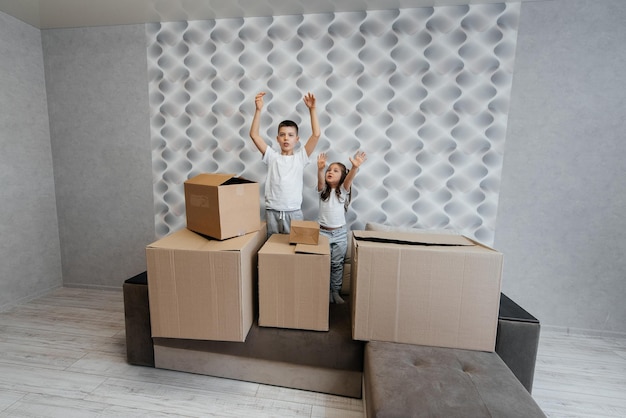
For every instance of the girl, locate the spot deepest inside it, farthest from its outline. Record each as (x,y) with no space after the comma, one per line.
(334,189)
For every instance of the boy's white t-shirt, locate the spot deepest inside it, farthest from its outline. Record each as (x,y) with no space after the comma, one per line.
(283,186)
(332,211)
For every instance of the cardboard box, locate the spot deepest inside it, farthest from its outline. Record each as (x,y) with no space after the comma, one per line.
(294,284)
(201,288)
(222,206)
(428,289)
(304,232)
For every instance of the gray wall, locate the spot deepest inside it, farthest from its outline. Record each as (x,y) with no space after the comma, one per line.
(561,222)
(98,102)
(30,262)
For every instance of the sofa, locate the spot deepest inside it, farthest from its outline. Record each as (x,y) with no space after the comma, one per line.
(424,381)
(516,342)
(328,362)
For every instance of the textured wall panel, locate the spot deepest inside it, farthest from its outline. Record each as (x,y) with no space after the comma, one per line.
(424,92)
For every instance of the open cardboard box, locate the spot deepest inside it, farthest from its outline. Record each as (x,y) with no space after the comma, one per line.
(222,206)
(304,232)
(428,289)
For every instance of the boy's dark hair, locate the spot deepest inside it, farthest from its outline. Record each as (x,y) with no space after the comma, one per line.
(288,123)
(326,192)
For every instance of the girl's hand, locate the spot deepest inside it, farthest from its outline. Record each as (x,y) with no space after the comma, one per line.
(359,158)
(321,161)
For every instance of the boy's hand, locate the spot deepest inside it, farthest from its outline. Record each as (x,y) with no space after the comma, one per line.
(258,100)
(359,158)
(309,100)
(321,161)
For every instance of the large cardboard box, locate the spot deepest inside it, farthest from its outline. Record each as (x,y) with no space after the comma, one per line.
(304,232)
(294,284)
(427,289)
(222,206)
(201,288)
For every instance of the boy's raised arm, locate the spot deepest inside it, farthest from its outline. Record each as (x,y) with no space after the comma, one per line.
(256,121)
(311,143)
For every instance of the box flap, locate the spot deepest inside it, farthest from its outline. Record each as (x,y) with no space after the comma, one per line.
(277,244)
(231,244)
(184,239)
(181,239)
(322,247)
(409,238)
(207,179)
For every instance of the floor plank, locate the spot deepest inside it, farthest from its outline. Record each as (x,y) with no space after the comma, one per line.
(580,376)
(63,355)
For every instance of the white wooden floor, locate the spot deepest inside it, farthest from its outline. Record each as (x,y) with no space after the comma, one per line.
(63,355)
(580,376)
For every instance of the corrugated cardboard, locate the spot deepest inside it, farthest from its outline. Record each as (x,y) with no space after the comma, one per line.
(201,288)
(304,232)
(427,289)
(222,206)
(294,284)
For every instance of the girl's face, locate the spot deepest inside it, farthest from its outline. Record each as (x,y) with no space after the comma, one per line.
(333,175)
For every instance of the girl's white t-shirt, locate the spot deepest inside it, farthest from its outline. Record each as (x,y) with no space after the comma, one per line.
(332,213)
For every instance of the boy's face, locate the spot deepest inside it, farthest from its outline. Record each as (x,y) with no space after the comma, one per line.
(287,139)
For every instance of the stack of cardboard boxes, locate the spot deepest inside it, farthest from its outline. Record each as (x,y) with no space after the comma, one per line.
(202,279)
(427,289)
(294,279)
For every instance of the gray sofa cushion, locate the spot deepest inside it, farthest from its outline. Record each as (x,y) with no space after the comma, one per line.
(333,349)
(403,380)
(321,361)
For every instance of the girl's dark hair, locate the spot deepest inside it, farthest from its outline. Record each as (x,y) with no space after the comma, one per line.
(326,192)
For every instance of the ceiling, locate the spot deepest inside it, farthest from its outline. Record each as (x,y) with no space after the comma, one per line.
(54,14)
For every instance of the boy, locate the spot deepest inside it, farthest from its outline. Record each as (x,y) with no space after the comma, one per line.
(285,170)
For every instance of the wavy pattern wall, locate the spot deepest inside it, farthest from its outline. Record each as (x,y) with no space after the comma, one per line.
(425,92)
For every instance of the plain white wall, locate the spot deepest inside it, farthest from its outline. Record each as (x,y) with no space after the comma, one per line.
(98,102)
(30,259)
(561,222)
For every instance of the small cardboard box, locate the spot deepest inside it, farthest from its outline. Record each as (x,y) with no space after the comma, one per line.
(222,206)
(294,284)
(304,232)
(201,288)
(426,289)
